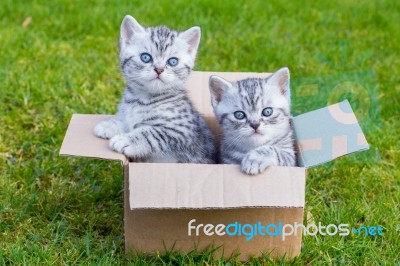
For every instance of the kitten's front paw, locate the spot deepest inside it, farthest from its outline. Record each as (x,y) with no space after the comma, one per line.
(119,143)
(106,129)
(253,164)
(122,143)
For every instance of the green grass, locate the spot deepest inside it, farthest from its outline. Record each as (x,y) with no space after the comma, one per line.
(57,210)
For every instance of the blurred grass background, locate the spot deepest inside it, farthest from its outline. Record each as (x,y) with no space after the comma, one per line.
(57,210)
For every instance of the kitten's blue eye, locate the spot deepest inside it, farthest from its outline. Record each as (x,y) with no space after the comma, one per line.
(145,57)
(239,115)
(267,112)
(173,61)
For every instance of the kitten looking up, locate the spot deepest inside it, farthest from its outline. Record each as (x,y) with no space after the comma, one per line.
(155,121)
(254,115)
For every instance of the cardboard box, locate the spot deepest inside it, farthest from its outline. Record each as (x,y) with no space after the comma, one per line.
(164,203)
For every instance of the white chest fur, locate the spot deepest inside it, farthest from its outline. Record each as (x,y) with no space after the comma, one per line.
(134,114)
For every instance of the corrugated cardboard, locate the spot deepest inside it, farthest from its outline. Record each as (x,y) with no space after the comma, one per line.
(160,200)
(327,133)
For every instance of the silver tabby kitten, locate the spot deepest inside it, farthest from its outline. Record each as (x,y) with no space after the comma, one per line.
(255,118)
(155,121)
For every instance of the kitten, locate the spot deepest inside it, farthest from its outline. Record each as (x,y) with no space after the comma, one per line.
(254,115)
(155,121)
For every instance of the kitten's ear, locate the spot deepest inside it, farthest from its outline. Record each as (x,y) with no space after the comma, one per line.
(129,27)
(280,80)
(217,86)
(192,37)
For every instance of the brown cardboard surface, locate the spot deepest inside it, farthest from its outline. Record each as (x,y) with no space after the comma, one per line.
(158,230)
(154,231)
(79,139)
(213,186)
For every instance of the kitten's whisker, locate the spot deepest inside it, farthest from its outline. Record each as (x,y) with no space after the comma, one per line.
(233,142)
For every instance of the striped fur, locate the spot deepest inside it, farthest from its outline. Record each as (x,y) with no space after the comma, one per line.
(256,141)
(156,122)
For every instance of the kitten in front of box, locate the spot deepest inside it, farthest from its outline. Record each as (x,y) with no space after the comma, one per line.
(254,115)
(156,122)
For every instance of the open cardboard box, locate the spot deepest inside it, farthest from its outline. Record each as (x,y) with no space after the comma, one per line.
(161,200)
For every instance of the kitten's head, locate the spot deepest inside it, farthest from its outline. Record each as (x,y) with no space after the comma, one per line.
(155,60)
(252,111)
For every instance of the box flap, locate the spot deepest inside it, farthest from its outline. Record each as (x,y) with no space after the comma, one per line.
(327,133)
(197,186)
(199,93)
(80,141)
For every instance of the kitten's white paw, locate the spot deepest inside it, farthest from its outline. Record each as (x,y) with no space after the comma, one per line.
(122,143)
(106,129)
(253,164)
(119,143)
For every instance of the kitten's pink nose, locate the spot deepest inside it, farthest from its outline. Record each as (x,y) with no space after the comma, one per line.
(255,125)
(159,70)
